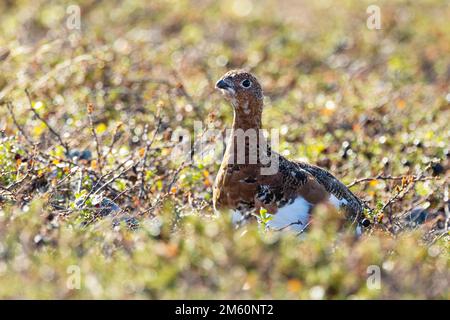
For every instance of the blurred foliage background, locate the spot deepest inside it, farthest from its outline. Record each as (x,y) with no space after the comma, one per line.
(86,124)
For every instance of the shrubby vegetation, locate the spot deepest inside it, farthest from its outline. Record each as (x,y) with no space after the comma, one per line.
(88,187)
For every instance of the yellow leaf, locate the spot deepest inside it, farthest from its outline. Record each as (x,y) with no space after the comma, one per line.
(101,128)
(39,129)
(94,164)
(160,104)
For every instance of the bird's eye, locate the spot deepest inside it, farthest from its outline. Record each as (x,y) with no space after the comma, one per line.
(246,83)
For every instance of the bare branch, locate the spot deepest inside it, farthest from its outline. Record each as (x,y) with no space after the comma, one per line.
(394,178)
(53,131)
(94,134)
(146,152)
(19,127)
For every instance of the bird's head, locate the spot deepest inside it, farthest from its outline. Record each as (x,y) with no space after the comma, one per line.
(242,89)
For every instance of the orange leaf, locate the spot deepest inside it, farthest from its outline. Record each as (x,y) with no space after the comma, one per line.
(171,250)
(401,104)
(90,107)
(356,127)
(404,181)
(294,285)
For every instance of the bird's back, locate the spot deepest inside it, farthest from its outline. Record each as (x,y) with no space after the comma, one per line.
(335,187)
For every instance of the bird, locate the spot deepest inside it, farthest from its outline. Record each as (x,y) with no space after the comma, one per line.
(248,181)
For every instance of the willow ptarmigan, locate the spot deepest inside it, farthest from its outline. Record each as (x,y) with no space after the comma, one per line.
(245,183)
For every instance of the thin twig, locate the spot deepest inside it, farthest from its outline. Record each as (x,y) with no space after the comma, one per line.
(16,183)
(94,190)
(53,131)
(116,137)
(181,89)
(395,178)
(16,123)
(446,208)
(404,190)
(123,192)
(114,178)
(94,134)
(147,151)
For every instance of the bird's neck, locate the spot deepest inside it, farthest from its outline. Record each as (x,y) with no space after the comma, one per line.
(246,138)
(247,123)
(248,116)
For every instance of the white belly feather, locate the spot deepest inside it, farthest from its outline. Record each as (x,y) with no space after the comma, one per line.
(236,217)
(294,217)
(336,202)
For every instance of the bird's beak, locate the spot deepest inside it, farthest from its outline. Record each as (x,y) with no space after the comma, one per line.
(221,84)
(226,87)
